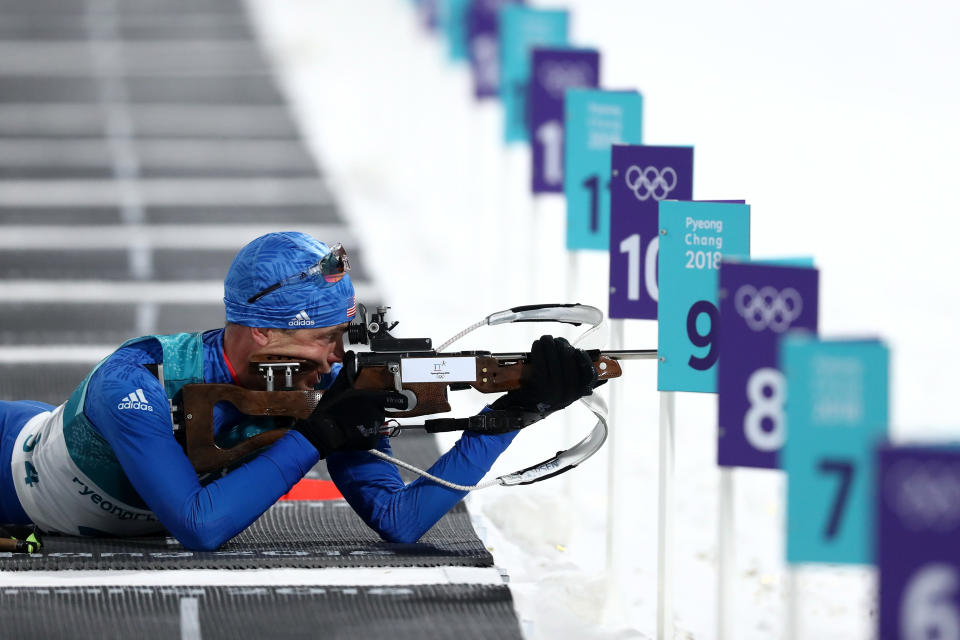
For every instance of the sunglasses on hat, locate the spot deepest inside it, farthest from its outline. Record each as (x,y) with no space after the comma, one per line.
(325,273)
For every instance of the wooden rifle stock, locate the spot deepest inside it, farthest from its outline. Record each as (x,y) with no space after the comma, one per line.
(198,401)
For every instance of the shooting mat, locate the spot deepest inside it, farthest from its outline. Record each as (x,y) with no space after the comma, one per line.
(302,534)
(418,612)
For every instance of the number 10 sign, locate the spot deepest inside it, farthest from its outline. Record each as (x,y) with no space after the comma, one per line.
(640,177)
(694,236)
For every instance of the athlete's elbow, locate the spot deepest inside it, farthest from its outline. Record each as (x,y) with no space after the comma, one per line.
(198,542)
(399,534)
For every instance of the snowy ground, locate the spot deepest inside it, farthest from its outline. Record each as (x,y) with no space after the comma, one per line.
(837,122)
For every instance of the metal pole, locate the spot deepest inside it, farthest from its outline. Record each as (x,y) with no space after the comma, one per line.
(665,527)
(726,559)
(792,584)
(614,537)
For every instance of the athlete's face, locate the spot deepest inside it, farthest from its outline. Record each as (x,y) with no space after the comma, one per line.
(324,346)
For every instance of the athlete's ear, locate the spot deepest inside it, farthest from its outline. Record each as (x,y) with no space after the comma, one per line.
(260,336)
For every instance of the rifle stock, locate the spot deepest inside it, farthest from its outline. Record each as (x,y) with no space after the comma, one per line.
(493,375)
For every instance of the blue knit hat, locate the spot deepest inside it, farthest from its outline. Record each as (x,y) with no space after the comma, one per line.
(301,305)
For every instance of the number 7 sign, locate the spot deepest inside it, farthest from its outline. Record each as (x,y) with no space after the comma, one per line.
(640,177)
(836,414)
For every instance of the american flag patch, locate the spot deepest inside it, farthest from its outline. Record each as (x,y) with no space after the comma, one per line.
(352,311)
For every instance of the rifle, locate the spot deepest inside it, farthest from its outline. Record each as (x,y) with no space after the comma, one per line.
(411,367)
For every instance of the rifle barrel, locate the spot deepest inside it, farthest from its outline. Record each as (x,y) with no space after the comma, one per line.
(631,354)
(627,354)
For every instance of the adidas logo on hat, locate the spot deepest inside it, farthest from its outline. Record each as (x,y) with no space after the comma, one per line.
(302,320)
(135,400)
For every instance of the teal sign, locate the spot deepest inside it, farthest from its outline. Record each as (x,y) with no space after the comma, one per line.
(454,20)
(694,238)
(594,120)
(836,416)
(521,29)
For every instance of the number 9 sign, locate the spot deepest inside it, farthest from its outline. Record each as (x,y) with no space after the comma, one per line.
(759,303)
(694,237)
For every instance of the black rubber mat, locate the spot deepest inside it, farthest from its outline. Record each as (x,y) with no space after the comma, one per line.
(116,264)
(50,382)
(194,122)
(298,534)
(279,215)
(221,121)
(59,215)
(99,323)
(48,172)
(301,534)
(22,25)
(416,612)
(256,89)
(160,159)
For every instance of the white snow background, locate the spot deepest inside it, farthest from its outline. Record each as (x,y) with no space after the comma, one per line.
(836,121)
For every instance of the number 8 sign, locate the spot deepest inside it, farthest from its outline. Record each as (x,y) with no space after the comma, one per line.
(694,236)
(759,303)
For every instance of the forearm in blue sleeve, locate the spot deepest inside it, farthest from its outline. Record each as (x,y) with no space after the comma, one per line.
(200,517)
(403,513)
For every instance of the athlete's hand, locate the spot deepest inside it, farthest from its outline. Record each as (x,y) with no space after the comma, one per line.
(348,418)
(560,374)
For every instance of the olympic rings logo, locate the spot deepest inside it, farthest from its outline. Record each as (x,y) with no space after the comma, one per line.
(768,308)
(651,182)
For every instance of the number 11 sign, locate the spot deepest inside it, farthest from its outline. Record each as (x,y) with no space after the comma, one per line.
(593,121)
(640,177)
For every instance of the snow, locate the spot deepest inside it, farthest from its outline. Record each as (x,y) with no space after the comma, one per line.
(836,121)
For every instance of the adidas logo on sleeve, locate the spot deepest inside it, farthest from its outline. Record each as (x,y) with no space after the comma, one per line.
(135,400)
(302,320)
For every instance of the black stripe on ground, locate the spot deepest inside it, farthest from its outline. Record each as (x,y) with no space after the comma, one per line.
(251,89)
(115,264)
(279,215)
(291,534)
(418,612)
(98,323)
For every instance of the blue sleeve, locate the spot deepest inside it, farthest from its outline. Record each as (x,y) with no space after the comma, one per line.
(403,513)
(200,517)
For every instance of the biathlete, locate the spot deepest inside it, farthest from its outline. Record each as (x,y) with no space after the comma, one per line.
(107,463)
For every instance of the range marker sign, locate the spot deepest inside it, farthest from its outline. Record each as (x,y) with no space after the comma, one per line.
(759,304)
(553,71)
(640,178)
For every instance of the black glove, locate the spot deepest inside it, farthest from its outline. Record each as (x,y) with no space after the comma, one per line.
(347,418)
(560,374)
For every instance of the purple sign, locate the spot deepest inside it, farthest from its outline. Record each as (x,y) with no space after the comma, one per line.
(429,13)
(640,177)
(552,72)
(918,513)
(483,41)
(759,303)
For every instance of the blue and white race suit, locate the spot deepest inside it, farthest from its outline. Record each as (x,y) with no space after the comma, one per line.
(106,462)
